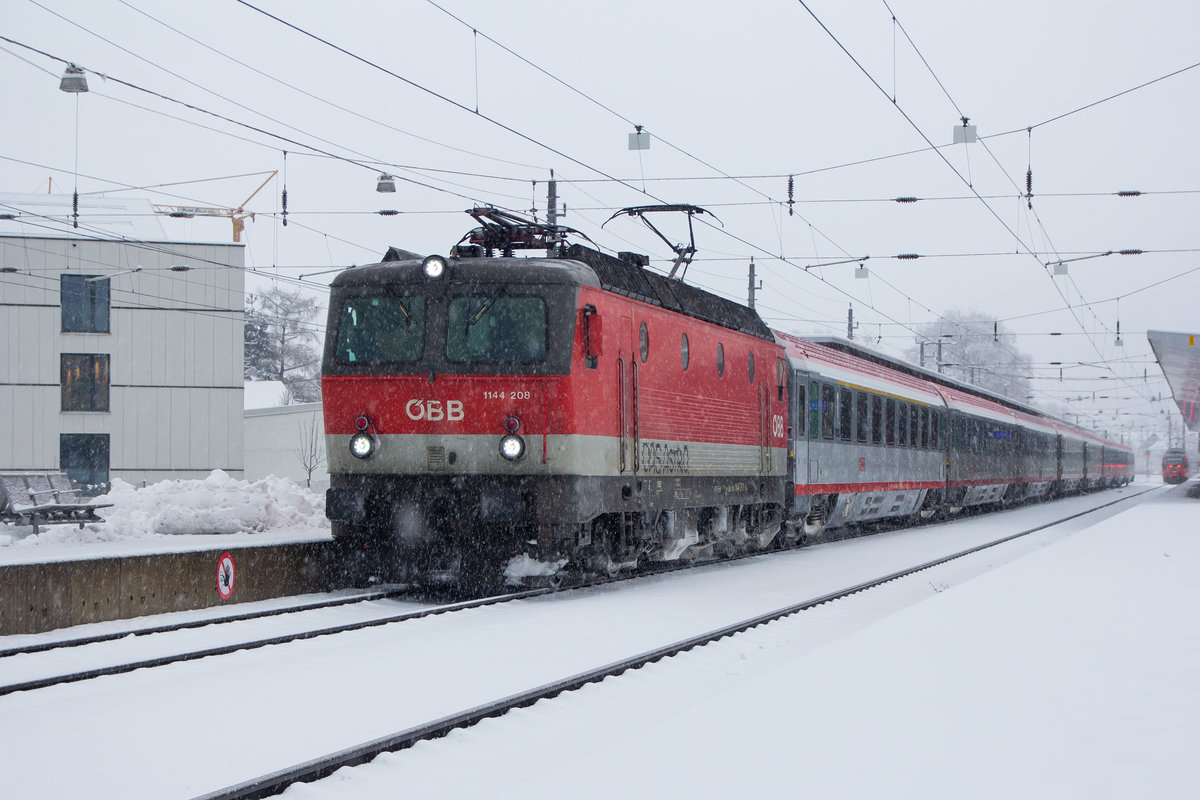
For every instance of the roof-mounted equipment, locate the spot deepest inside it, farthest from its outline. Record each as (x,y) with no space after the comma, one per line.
(507,232)
(683,253)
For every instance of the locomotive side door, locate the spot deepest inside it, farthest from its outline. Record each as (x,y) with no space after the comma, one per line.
(627,396)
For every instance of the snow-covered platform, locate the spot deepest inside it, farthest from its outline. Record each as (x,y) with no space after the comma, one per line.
(161,548)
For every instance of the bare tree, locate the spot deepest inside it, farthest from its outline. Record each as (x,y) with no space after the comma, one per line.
(282,343)
(976,349)
(310,448)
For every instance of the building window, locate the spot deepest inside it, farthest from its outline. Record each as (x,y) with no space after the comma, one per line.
(84,457)
(644,342)
(750,365)
(683,351)
(84,382)
(720,360)
(84,304)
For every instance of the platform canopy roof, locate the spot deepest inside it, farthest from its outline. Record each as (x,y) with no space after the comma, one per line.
(1179,356)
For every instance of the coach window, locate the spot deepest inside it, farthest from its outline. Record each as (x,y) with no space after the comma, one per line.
(801,409)
(926,433)
(814,409)
(914,432)
(845,414)
(902,439)
(862,422)
(933,428)
(828,402)
(720,359)
(750,365)
(889,421)
(644,342)
(876,419)
(683,351)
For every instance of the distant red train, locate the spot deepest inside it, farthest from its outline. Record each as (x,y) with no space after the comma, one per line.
(1175,465)
(538,418)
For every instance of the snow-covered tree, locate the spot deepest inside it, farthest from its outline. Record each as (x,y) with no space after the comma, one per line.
(282,343)
(977,350)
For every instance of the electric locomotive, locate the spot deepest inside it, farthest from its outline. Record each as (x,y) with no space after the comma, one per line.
(488,415)
(1175,465)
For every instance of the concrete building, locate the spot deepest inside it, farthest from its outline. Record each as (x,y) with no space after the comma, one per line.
(284,440)
(120,351)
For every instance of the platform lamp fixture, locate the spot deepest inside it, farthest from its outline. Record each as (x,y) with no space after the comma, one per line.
(386,183)
(74,82)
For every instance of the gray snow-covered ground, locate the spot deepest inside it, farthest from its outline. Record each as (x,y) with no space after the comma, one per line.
(1060,666)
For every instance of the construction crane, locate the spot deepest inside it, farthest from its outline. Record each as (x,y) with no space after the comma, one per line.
(238,215)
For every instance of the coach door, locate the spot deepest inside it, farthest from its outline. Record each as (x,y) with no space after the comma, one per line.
(627,397)
(798,408)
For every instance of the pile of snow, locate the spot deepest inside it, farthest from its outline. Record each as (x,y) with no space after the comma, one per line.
(218,504)
(523,566)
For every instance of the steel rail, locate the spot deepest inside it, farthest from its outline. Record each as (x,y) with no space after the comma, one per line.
(315,769)
(42,647)
(119,669)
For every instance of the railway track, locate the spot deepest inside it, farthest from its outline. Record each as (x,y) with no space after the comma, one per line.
(315,769)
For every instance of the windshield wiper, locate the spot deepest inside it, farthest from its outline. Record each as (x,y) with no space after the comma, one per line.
(482,310)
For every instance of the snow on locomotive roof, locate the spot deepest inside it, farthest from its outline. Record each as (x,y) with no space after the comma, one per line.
(580,265)
(631,279)
(506,270)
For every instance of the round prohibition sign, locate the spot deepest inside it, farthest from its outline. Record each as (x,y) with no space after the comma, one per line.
(226,576)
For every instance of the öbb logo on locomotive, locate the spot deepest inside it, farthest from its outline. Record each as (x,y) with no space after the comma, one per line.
(434,410)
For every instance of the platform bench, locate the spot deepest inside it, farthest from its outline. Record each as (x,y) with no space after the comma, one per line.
(43,498)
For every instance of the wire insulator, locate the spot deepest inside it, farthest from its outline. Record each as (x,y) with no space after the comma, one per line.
(388,212)
(1130,252)
(75,209)
(791,195)
(907,199)
(1129,193)
(908,256)
(1029,187)
(285,207)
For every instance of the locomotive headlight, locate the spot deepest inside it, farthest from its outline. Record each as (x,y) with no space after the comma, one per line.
(362,445)
(512,447)
(434,266)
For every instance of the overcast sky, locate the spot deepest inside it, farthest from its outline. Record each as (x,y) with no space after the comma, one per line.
(727,90)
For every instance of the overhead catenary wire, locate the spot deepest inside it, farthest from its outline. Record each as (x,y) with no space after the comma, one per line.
(922,134)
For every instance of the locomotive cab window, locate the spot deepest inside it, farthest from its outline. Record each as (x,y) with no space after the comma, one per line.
(381,330)
(496,330)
